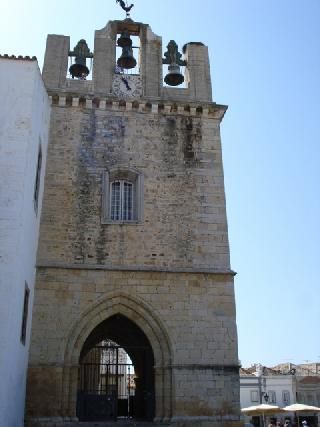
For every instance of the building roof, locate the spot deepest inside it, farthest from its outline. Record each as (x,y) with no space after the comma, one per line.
(309,370)
(252,371)
(310,380)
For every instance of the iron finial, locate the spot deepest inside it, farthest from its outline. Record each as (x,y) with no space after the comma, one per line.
(125,7)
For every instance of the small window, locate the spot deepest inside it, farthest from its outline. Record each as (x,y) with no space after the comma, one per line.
(37,180)
(272,397)
(122,196)
(254,396)
(286,397)
(25,314)
(121,201)
(300,397)
(310,399)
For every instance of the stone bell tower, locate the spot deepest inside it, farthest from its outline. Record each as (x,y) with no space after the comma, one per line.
(134,313)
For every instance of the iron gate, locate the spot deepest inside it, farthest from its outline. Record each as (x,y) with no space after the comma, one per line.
(106,384)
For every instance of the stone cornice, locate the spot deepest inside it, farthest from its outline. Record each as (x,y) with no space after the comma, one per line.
(196,270)
(204,110)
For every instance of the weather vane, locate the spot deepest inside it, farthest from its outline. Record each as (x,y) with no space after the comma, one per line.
(125,7)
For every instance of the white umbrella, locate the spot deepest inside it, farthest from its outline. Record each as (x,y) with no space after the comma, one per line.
(262,409)
(300,407)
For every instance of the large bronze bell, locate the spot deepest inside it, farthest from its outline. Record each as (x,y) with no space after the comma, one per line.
(174,76)
(124,39)
(78,70)
(172,57)
(80,52)
(127,60)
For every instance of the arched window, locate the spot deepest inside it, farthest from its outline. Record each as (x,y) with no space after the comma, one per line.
(122,196)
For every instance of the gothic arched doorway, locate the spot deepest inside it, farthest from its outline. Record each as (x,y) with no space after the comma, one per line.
(116,373)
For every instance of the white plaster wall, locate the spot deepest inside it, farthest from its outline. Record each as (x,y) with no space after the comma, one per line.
(24,121)
(276,383)
(248,384)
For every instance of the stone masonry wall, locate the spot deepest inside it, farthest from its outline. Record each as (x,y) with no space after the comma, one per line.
(169,273)
(197,310)
(184,205)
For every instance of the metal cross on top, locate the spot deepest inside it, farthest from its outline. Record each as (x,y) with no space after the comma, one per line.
(125,7)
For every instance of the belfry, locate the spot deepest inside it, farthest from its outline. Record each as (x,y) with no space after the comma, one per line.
(134,311)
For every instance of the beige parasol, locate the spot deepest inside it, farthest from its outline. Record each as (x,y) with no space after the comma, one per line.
(300,407)
(262,409)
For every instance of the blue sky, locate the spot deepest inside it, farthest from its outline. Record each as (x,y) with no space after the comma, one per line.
(265,64)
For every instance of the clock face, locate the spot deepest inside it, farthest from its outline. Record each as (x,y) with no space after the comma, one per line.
(127,86)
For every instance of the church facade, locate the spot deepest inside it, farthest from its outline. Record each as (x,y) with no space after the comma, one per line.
(133,246)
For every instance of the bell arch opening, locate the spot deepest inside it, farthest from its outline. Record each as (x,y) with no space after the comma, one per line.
(116,373)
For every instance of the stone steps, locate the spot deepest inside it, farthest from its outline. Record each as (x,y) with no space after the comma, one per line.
(111,424)
(118,423)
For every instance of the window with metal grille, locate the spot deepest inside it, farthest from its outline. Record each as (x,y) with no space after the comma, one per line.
(122,196)
(122,201)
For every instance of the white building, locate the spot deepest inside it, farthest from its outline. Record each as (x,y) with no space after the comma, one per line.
(261,387)
(24,123)
(281,385)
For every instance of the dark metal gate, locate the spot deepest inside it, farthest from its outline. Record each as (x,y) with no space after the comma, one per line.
(106,384)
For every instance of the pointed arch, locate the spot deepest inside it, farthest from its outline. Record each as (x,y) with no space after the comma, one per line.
(136,310)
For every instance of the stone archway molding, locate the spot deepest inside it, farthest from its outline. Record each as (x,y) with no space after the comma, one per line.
(139,312)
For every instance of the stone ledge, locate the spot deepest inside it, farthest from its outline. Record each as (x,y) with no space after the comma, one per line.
(196,270)
(212,110)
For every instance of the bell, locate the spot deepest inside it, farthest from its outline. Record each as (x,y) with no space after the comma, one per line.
(124,39)
(126,60)
(80,52)
(172,57)
(78,70)
(174,77)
